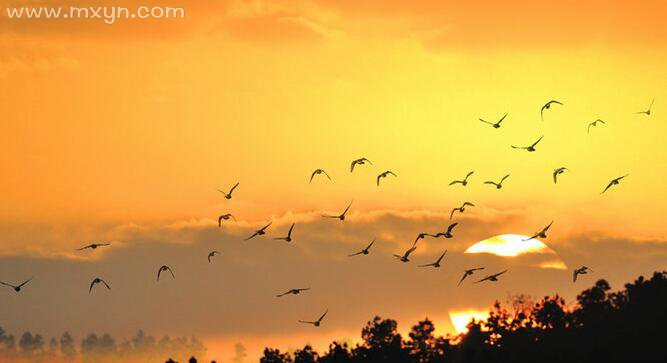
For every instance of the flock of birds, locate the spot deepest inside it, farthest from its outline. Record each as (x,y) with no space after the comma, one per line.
(446,233)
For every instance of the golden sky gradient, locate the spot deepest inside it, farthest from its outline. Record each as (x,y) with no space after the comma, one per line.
(124,132)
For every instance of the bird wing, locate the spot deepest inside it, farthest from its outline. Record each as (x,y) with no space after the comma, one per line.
(325,173)
(392,173)
(105,284)
(486,122)
(234,187)
(538,140)
(6,284)
(252,236)
(171,272)
(25,282)
(323,315)
(542,111)
(468,203)
(284,293)
(608,186)
(159,271)
(452,213)
(91,286)
(484,279)
(502,118)
(364,159)
(209,257)
(469,174)
(441,257)
(224,193)
(369,246)
(505,177)
(427,265)
(555,176)
(499,273)
(289,233)
(346,209)
(556,102)
(490,182)
(355,254)
(574,275)
(220,221)
(408,252)
(353,164)
(621,177)
(378,179)
(265,227)
(456,182)
(462,278)
(84,247)
(547,227)
(312,176)
(518,147)
(451,227)
(306,322)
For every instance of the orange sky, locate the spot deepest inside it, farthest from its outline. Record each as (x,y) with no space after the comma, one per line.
(124,132)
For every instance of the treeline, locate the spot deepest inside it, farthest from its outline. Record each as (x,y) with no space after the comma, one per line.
(627,325)
(96,348)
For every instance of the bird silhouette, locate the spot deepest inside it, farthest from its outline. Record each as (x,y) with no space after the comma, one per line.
(467,273)
(463,182)
(93,246)
(293,292)
(365,251)
(614,182)
(493,277)
(96,281)
(318,172)
(579,271)
(541,234)
(499,184)
(211,254)
(594,123)
(164,268)
(460,209)
(648,111)
(407,253)
(557,172)
(287,238)
(340,216)
(422,236)
(18,287)
(495,125)
(229,195)
(529,148)
(548,106)
(384,175)
(225,217)
(317,322)
(259,232)
(435,264)
(361,161)
(448,232)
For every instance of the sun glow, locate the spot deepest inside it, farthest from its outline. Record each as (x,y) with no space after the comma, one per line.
(460,319)
(508,245)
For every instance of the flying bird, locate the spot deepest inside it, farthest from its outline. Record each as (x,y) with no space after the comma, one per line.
(288,238)
(614,182)
(493,277)
(469,272)
(165,268)
(448,232)
(259,232)
(594,123)
(648,111)
(580,271)
(211,254)
(463,182)
(557,172)
(529,148)
(541,234)
(341,216)
(318,172)
(499,184)
(316,322)
(365,251)
(293,292)
(548,106)
(422,236)
(460,209)
(435,264)
(495,125)
(407,253)
(93,246)
(361,161)
(229,195)
(96,281)
(225,217)
(384,175)
(17,288)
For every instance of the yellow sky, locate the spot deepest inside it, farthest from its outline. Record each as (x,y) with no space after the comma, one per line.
(138,124)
